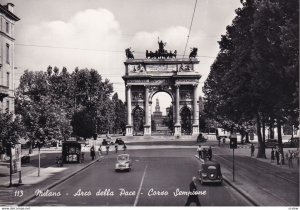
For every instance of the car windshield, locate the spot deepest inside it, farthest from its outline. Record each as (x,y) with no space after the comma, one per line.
(123,157)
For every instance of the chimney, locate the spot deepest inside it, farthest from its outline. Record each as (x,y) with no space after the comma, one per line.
(10,7)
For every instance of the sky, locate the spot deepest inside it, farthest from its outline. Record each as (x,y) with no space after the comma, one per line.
(95,33)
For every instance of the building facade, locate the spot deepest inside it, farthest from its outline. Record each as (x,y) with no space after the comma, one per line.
(7,62)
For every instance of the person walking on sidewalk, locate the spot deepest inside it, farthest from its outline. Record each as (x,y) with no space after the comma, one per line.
(107,149)
(92,150)
(290,158)
(193,197)
(99,151)
(199,151)
(116,148)
(252,150)
(280,158)
(209,153)
(124,147)
(277,156)
(272,156)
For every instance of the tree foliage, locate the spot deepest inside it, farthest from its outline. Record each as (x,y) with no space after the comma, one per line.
(254,78)
(55,104)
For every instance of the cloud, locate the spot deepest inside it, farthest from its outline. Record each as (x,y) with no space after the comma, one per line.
(91,32)
(93,39)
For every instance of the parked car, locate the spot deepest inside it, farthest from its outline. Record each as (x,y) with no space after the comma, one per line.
(119,141)
(292,143)
(271,143)
(25,159)
(210,171)
(123,163)
(107,142)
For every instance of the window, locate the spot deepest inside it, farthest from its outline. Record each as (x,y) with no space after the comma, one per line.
(7,53)
(7,27)
(7,77)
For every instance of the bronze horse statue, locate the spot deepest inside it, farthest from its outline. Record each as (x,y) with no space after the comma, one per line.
(193,53)
(129,53)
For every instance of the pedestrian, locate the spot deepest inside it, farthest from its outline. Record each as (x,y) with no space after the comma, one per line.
(252,150)
(193,197)
(204,154)
(92,150)
(209,153)
(224,140)
(82,157)
(199,151)
(116,148)
(99,151)
(107,149)
(124,147)
(280,158)
(290,158)
(272,156)
(277,156)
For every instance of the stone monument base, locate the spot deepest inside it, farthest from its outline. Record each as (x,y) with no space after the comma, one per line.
(195,130)
(177,130)
(147,130)
(129,131)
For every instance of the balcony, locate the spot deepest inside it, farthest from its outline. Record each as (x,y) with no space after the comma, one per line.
(3,92)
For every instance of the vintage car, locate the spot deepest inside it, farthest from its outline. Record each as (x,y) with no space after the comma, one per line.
(271,143)
(202,137)
(210,171)
(123,163)
(292,143)
(119,141)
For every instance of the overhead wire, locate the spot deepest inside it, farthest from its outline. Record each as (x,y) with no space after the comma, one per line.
(188,37)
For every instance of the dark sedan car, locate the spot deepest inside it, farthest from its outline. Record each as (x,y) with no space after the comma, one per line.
(292,143)
(210,171)
(119,141)
(271,143)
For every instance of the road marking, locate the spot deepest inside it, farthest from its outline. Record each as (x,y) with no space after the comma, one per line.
(140,188)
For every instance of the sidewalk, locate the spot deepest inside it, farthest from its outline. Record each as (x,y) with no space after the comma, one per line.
(265,183)
(50,176)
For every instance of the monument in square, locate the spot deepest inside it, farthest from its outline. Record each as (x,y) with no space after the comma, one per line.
(162,71)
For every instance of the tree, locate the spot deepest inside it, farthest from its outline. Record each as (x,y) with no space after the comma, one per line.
(119,114)
(42,117)
(255,74)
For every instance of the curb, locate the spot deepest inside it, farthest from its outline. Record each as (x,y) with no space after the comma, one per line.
(239,190)
(26,200)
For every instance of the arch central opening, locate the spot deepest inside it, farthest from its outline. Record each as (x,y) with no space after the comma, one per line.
(162,117)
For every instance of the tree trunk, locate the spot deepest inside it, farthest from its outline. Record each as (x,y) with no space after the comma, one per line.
(271,129)
(261,145)
(263,129)
(280,139)
(247,138)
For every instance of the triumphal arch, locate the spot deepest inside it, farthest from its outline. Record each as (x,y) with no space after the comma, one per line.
(162,71)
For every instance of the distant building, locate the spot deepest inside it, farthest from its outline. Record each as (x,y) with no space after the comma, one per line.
(158,119)
(7,62)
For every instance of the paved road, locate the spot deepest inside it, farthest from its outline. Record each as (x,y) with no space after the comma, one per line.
(164,171)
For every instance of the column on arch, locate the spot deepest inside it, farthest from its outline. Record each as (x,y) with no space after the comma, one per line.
(129,131)
(195,111)
(177,126)
(147,126)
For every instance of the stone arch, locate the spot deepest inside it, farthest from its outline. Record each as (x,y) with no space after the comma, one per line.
(156,74)
(161,124)
(169,92)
